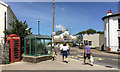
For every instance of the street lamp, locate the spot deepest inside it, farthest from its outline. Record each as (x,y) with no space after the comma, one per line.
(38,26)
(70,29)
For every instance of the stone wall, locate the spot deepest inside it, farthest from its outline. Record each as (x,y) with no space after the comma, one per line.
(4,56)
(36,59)
(1,48)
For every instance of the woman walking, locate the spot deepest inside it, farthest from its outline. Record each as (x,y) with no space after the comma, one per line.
(64,52)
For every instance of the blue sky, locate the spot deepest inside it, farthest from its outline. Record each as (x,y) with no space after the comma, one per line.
(78,15)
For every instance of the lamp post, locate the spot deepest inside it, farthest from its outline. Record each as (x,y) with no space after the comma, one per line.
(70,29)
(38,27)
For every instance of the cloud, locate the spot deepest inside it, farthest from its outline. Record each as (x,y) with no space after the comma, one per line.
(62,9)
(60,27)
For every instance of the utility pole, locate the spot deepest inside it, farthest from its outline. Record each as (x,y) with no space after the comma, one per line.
(5,29)
(53,14)
(53,24)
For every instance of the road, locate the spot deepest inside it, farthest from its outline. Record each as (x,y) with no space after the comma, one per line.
(100,59)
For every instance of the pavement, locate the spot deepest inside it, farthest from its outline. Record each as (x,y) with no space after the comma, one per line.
(54,65)
(75,63)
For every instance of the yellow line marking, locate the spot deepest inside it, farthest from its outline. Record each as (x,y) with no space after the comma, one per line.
(100,59)
(81,59)
(81,56)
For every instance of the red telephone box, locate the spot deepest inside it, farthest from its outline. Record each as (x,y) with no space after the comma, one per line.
(14,41)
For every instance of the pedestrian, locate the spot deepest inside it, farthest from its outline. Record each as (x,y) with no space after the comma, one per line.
(60,46)
(64,53)
(87,53)
(54,55)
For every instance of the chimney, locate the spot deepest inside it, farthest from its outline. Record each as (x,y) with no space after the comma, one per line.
(109,13)
(66,29)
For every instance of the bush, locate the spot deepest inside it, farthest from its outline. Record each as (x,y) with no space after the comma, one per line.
(70,44)
(82,47)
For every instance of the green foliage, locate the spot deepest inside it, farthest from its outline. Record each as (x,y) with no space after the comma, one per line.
(20,28)
(89,31)
(82,47)
(99,32)
(70,44)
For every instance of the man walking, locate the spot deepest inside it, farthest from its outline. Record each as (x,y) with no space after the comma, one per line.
(87,53)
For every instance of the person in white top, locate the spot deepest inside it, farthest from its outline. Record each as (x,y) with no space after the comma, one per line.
(64,53)
(61,45)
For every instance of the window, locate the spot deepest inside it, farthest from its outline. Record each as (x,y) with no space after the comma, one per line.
(119,23)
(90,43)
(65,37)
(85,41)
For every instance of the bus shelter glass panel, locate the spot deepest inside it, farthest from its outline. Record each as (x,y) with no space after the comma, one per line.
(40,45)
(27,46)
(47,46)
(32,46)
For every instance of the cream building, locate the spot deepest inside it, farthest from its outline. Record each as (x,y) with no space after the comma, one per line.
(65,37)
(9,18)
(112,31)
(94,40)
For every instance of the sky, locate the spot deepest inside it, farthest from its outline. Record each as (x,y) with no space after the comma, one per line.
(74,16)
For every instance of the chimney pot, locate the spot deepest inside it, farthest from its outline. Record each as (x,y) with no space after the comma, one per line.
(66,29)
(109,13)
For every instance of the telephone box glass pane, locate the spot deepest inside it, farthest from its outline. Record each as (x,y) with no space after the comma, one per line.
(16,49)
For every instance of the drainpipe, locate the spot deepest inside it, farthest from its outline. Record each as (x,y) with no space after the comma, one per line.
(5,28)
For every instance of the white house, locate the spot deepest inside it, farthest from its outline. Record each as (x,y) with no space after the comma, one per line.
(94,40)
(112,31)
(64,36)
(9,18)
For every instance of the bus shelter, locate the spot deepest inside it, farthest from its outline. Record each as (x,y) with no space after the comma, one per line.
(37,45)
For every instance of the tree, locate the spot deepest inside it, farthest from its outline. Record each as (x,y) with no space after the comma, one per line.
(90,31)
(99,32)
(20,28)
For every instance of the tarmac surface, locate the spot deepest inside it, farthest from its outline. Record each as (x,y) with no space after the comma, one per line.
(100,58)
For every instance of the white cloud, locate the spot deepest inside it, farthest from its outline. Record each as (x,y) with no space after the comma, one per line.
(60,27)
(62,9)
